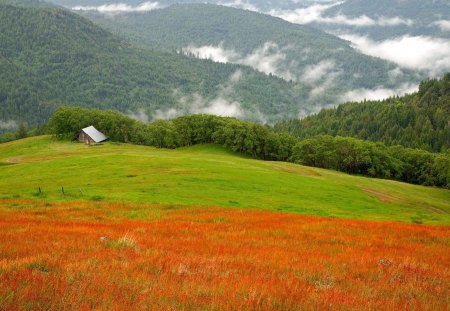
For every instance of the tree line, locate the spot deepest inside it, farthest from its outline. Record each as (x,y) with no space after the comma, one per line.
(420,120)
(350,155)
(21,131)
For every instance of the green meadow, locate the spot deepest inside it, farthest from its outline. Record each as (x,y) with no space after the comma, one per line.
(206,175)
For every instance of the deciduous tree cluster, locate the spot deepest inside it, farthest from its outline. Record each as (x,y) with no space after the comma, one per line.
(346,154)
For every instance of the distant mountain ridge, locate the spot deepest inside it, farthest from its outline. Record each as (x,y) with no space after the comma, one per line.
(294,52)
(419,17)
(425,15)
(51,57)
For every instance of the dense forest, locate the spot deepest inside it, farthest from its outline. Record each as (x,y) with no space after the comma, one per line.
(423,13)
(51,57)
(27,3)
(261,4)
(291,51)
(420,120)
(345,154)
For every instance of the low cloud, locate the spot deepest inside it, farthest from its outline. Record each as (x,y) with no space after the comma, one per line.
(115,8)
(321,76)
(357,95)
(395,74)
(214,53)
(306,15)
(377,93)
(315,14)
(168,114)
(329,82)
(239,4)
(195,103)
(444,25)
(419,53)
(221,105)
(8,125)
(269,58)
(313,73)
(140,115)
(313,109)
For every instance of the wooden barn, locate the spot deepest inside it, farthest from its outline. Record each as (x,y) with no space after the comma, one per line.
(90,135)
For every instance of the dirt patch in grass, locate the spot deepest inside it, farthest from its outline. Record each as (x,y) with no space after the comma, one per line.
(384,197)
(300,170)
(435,210)
(388,198)
(173,171)
(13,160)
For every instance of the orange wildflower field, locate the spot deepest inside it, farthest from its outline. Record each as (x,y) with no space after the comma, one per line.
(97,255)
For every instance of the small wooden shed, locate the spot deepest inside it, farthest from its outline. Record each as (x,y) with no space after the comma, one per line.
(90,135)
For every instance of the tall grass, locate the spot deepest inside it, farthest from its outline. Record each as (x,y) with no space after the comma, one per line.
(87,255)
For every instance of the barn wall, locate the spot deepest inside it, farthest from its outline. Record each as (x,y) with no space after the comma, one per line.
(84,138)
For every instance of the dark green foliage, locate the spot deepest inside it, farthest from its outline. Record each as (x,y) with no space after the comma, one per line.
(50,57)
(356,156)
(243,31)
(345,154)
(246,137)
(21,132)
(7,136)
(420,120)
(349,155)
(67,123)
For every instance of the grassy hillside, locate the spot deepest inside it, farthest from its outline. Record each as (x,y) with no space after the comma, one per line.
(51,57)
(207,176)
(420,120)
(293,51)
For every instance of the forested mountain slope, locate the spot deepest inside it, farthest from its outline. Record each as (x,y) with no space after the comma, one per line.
(272,45)
(414,17)
(379,19)
(420,120)
(51,57)
(28,3)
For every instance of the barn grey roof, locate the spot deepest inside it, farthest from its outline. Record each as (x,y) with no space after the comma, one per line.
(94,134)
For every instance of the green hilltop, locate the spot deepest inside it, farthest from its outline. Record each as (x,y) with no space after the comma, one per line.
(205,175)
